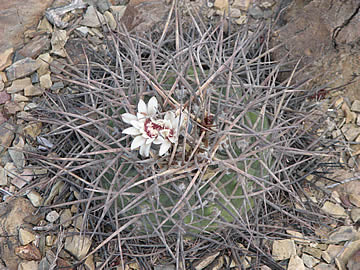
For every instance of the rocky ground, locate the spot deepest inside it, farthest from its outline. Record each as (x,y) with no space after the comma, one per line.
(321,33)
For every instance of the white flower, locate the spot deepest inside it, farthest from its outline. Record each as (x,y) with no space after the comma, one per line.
(169,134)
(147,130)
(143,126)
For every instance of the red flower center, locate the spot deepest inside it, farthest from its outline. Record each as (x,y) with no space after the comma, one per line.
(152,129)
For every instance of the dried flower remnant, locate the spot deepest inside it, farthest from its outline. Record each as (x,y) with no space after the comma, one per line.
(147,130)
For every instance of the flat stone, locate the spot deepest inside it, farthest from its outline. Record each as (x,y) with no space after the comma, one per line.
(35,46)
(57,86)
(98,36)
(118,11)
(18,157)
(6,136)
(45,81)
(242,4)
(334,210)
(295,263)
(18,85)
(10,170)
(30,106)
(26,237)
(24,178)
(65,218)
(207,260)
(355,107)
(52,216)
(221,5)
(110,20)
(355,214)
(28,265)
(89,263)
(50,240)
(12,107)
(349,251)
(83,30)
(4,97)
(21,68)
(44,25)
(309,261)
(92,18)
(324,266)
(235,13)
(354,261)
(354,198)
(5,58)
(343,233)
(33,130)
(20,98)
(3,77)
(35,198)
(332,252)
(55,190)
(350,131)
(3,177)
(315,252)
(44,60)
(78,246)
(78,222)
(58,41)
(31,91)
(340,264)
(283,249)
(28,252)
(102,5)
(349,115)
(57,66)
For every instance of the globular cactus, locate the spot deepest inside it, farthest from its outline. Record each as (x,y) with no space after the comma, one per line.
(181,136)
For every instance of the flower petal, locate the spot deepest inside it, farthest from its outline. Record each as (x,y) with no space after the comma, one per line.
(158,140)
(137,124)
(145,150)
(170,116)
(152,106)
(138,141)
(149,140)
(164,148)
(141,116)
(142,107)
(128,117)
(131,131)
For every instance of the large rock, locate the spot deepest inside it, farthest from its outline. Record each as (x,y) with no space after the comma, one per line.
(331,22)
(314,31)
(15,17)
(12,214)
(142,15)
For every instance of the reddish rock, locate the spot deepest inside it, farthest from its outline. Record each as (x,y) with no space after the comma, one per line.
(12,107)
(316,27)
(4,97)
(15,17)
(36,46)
(28,252)
(12,214)
(142,15)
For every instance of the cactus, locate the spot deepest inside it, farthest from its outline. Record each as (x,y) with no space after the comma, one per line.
(228,159)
